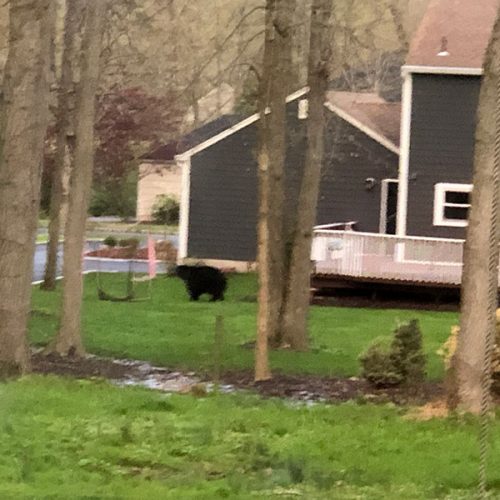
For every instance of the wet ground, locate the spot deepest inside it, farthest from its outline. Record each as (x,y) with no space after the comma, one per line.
(306,388)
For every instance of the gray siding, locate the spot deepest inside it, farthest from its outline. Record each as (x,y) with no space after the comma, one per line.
(441,145)
(350,158)
(223,196)
(223,199)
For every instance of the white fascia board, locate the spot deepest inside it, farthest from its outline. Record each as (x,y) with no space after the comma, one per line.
(361,126)
(185,165)
(441,70)
(404,157)
(235,128)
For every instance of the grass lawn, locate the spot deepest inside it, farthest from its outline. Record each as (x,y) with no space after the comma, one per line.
(129,227)
(42,238)
(121,226)
(65,439)
(171,331)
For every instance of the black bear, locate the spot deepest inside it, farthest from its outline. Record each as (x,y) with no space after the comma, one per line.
(202,279)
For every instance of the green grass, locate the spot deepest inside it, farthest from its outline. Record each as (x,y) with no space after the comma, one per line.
(129,227)
(171,331)
(42,238)
(85,439)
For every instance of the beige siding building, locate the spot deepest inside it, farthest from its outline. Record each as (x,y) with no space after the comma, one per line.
(156,179)
(160,175)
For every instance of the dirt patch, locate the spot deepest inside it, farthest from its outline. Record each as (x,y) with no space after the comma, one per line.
(303,387)
(306,388)
(359,301)
(333,389)
(435,409)
(88,367)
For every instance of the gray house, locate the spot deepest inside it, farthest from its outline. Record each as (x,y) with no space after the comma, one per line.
(442,77)
(398,174)
(219,193)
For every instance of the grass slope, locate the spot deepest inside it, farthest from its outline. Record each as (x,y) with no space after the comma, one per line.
(80,439)
(171,331)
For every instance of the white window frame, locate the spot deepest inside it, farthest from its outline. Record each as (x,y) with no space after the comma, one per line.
(440,204)
(384,192)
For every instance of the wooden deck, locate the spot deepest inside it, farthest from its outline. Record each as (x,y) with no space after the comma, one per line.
(351,259)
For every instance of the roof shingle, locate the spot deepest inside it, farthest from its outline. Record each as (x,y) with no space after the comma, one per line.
(458,29)
(168,151)
(372,111)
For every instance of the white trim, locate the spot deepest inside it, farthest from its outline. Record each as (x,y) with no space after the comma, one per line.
(440,190)
(235,128)
(404,156)
(361,126)
(185,165)
(335,224)
(440,70)
(292,97)
(392,236)
(384,192)
(216,138)
(432,263)
(297,94)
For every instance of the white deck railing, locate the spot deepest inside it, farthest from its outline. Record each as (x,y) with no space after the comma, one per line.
(388,257)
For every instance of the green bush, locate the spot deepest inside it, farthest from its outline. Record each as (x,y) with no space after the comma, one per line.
(166,210)
(403,363)
(116,197)
(129,242)
(377,366)
(110,241)
(407,353)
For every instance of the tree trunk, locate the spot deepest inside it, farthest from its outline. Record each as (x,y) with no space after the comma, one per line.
(65,92)
(298,284)
(26,93)
(480,279)
(271,160)
(69,341)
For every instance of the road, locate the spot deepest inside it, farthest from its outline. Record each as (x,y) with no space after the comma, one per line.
(103,265)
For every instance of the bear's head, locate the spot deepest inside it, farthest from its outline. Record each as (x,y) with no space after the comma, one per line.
(183,272)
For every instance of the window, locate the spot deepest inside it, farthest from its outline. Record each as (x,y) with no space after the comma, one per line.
(451,204)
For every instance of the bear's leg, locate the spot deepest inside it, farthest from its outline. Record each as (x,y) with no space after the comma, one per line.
(217,296)
(194,293)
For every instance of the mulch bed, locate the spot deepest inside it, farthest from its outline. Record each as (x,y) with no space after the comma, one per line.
(334,389)
(299,387)
(88,367)
(356,301)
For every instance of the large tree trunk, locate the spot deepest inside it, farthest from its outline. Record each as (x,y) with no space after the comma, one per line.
(298,284)
(26,92)
(271,160)
(69,341)
(65,92)
(480,277)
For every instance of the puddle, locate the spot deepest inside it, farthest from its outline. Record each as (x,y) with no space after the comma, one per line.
(162,379)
